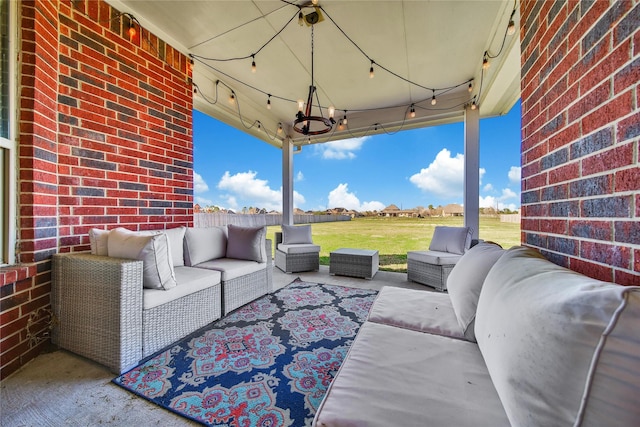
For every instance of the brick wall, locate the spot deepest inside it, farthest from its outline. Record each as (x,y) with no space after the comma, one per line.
(105,140)
(580,135)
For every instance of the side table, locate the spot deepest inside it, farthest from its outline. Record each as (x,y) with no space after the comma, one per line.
(354,262)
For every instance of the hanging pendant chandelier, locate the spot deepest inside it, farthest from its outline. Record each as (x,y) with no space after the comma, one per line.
(305,123)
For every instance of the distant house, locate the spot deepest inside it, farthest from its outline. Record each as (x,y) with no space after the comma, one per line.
(390,211)
(453,209)
(409,213)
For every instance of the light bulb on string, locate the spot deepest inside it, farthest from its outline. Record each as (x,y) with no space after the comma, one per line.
(470,87)
(279,128)
(473,105)
(433,98)
(132,30)
(269,102)
(232,98)
(412,113)
(340,125)
(511,29)
(371,72)
(300,18)
(253,64)
(344,119)
(485,63)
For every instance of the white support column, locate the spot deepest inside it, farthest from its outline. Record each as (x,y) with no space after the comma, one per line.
(472,169)
(287,182)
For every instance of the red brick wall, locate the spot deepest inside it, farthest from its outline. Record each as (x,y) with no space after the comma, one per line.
(580,135)
(105,140)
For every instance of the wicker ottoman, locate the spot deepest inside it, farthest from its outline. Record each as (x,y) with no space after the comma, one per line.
(353,262)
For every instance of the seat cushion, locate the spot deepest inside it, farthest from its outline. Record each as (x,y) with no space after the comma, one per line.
(418,310)
(399,377)
(465,282)
(231,268)
(451,239)
(303,248)
(434,257)
(559,345)
(189,280)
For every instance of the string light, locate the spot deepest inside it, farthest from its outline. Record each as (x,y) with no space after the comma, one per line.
(470,87)
(485,63)
(253,64)
(269,102)
(511,29)
(412,113)
(279,128)
(300,18)
(232,98)
(341,125)
(191,62)
(132,30)
(371,72)
(344,119)
(433,98)
(473,105)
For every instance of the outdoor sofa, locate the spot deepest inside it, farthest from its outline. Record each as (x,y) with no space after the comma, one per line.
(517,341)
(138,292)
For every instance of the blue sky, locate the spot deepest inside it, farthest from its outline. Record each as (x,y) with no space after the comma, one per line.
(411,168)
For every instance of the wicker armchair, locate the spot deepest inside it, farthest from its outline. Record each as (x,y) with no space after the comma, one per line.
(296,258)
(432,267)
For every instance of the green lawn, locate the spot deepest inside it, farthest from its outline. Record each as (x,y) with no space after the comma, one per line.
(393,237)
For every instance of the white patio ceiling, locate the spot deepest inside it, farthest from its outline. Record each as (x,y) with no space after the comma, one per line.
(432,44)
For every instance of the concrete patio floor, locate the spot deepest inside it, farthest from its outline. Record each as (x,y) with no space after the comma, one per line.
(60,388)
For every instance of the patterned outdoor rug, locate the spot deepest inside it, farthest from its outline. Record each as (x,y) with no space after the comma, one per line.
(268,363)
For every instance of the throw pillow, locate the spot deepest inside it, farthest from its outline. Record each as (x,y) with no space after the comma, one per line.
(98,240)
(204,244)
(246,243)
(296,234)
(455,240)
(465,282)
(153,250)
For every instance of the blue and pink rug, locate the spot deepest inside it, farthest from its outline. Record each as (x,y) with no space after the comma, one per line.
(268,363)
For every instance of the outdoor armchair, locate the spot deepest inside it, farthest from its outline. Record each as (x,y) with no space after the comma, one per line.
(295,250)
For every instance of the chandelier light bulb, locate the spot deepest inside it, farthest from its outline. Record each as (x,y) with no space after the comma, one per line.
(332,111)
(300,104)
(314,2)
(485,64)
(511,29)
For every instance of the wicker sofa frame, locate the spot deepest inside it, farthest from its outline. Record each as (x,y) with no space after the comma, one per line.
(429,274)
(98,304)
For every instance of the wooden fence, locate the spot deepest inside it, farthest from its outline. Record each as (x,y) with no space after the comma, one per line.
(253,220)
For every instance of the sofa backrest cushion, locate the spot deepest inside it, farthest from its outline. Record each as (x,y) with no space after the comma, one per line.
(561,348)
(204,244)
(247,243)
(154,252)
(296,234)
(99,241)
(451,239)
(176,243)
(465,282)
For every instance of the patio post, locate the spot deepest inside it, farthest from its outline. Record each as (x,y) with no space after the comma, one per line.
(472,169)
(287,182)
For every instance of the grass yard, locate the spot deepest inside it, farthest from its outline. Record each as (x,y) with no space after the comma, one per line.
(394,237)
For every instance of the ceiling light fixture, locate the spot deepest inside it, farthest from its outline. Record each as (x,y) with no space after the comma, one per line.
(305,123)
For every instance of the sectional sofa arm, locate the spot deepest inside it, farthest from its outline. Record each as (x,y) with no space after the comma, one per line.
(97,302)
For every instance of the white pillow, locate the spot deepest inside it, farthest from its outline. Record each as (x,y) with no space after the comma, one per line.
(153,250)
(455,240)
(561,348)
(465,282)
(176,242)
(246,243)
(99,241)
(296,234)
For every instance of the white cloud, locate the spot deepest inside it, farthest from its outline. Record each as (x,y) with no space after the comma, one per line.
(488,187)
(444,176)
(245,188)
(299,176)
(514,174)
(340,150)
(507,193)
(340,197)
(492,202)
(202,201)
(199,184)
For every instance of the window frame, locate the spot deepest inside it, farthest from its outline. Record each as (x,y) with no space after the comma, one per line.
(8,145)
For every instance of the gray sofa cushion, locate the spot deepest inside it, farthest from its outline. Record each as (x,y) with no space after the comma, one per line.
(189,280)
(398,377)
(231,268)
(296,234)
(204,244)
(247,243)
(434,257)
(455,240)
(561,348)
(465,282)
(418,310)
(302,248)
